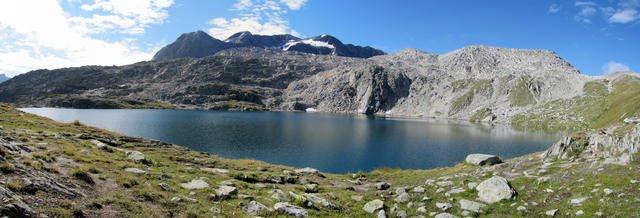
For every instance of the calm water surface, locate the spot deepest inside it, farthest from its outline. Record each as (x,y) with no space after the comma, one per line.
(335,143)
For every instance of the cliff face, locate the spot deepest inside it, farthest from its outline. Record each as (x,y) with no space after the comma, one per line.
(477,82)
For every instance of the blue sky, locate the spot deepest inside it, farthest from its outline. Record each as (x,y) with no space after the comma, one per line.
(595,36)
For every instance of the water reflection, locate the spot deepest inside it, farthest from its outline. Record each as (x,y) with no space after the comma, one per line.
(335,143)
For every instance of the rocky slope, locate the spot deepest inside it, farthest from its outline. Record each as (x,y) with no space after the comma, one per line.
(199,44)
(51,169)
(478,83)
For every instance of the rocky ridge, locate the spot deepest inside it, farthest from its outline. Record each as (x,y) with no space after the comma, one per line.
(477,83)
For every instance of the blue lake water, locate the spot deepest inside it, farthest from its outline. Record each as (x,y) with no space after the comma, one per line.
(335,143)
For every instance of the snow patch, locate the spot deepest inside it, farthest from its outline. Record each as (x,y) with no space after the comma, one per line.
(310,109)
(308,42)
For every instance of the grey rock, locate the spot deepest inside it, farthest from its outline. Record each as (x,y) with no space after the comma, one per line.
(404,197)
(551,212)
(483,159)
(245,197)
(134,155)
(381,214)
(521,208)
(134,170)
(607,191)
(84,151)
(164,186)
(444,206)
(290,209)
(311,188)
(495,189)
(372,206)
(356,197)
(445,215)
(226,192)
(195,184)
(307,171)
(471,205)
(324,203)
(382,186)
(401,214)
(422,209)
(444,183)
(578,200)
(253,207)
(418,189)
(176,199)
(472,185)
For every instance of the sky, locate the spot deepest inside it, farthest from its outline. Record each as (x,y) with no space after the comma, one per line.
(597,37)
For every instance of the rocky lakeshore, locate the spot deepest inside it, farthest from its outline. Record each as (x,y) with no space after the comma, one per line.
(52,169)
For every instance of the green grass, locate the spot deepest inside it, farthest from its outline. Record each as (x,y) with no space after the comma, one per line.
(596,88)
(481,114)
(482,87)
(522,95)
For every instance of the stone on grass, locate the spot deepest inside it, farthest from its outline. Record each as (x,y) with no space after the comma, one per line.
(607,191)
(418,189)
(324,203)
(382,214)
(521,208)
(472,185)
(356,197)
(372,206)
(482,159)
(445,215)
(135,155)
(134,170)
(471,205)
(290,209)
(307,171)
(225,192)
(164,186)
(444,206)
(444,183)
(404,197)
(551,212)
(311,188)
(401,214)
(495,189)
(215,170)
(253,207)
(578,200)
(195,184)
(382,186)
(422,209)
(98,144)
(580,212)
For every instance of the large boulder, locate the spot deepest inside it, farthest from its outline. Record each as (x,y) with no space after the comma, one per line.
(495,189)
(307,171)
(290,209)
(225,192)
(483,159)
(135,155)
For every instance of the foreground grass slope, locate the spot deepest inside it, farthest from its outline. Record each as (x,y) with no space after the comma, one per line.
(69,169)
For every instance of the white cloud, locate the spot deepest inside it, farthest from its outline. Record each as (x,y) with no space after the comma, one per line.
(580,3)
(587,11)
(554,8)
(624,16)
(131,16)
(265,17)
(294,4)
(40,34)
(613,66)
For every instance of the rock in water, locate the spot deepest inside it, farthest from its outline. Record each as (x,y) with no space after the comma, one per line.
(482,159)
(135,155)
(495,189)
(225,192)
(253,208)
(471,205)
(195,184)
(290,209)
(372,206)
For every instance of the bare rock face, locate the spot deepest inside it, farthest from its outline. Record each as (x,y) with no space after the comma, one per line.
(593,145)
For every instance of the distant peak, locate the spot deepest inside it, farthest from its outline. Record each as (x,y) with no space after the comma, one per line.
(240,34)
(196,34)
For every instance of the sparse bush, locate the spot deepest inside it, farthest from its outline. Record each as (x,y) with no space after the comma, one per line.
(84,176)
(7,168)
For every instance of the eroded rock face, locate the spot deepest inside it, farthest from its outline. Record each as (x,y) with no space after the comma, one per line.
(483,159)
(495,189)
(615,149)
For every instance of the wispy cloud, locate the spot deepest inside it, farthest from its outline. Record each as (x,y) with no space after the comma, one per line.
(612,67)
(257,16)
(624,16)
(40,34)
(554,8)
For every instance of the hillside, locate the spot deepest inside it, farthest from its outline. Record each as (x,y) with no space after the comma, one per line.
(477,83)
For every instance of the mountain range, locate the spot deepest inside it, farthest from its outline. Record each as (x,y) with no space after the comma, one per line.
(200,44)
(478,83)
